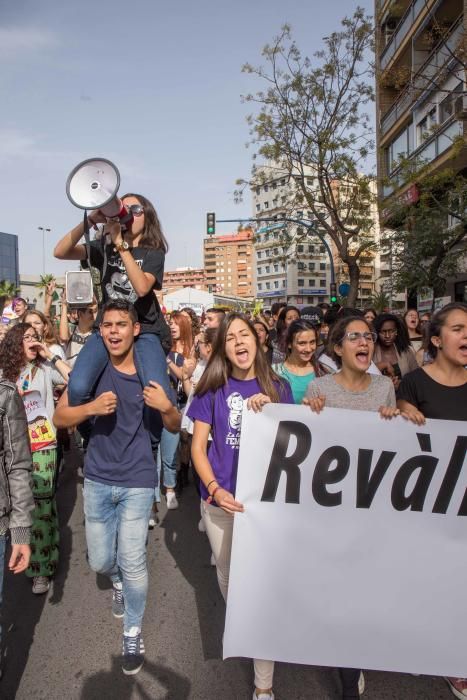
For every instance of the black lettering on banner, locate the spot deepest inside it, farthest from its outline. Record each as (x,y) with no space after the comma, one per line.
(368,485)
(426,465)
(290,465)
(323,475)
(451,477)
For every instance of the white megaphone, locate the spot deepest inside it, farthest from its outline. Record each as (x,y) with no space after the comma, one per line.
(93,184)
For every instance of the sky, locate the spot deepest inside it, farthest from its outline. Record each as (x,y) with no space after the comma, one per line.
(154,87)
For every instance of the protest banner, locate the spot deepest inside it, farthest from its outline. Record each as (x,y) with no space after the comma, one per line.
(351,549)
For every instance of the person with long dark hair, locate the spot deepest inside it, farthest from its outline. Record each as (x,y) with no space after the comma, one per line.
(439,389)
(131,268)
(35,370)
(287,315)
(237,371)
(351,343)
(299,367)
(412,323)
(262,331)
(393,354)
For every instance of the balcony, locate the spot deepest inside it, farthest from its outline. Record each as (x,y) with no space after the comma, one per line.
(423,78)
(431,149)
(402,30)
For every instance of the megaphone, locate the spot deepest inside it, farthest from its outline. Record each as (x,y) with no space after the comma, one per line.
(93,184)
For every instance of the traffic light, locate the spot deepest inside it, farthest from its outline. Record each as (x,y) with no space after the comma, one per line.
(210,223)
(333,292)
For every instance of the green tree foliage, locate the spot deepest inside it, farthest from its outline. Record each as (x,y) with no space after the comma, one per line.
(311,114)
(429,237)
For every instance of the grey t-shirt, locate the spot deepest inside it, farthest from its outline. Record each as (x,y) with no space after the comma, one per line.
(380,392)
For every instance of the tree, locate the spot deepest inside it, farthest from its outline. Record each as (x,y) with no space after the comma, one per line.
(379,301)
(311,120)
(8,290)
(429,236)
(43,282)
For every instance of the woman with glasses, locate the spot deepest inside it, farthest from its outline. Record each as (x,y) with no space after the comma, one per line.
(131,266)
(352,343)
(31,365)
(393,354)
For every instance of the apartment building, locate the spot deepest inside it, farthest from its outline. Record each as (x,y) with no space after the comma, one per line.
(183,277)
(421,103)
(291,261)
(228,264)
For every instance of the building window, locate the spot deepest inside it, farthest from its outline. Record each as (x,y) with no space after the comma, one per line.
(311,266)
(259,254)
(266,188)
(268,285)
(260,286)
(268,269)
(311,283)
(452,104)
(259,270)
(276,285)
(425,126)
(301,282)
(258,190)
(266,205)
(322,266)
(300,248)
(400,147)
(258,207)
(284,283)
(276,267)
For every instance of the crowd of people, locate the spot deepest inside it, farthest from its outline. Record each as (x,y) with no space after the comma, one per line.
(157,400)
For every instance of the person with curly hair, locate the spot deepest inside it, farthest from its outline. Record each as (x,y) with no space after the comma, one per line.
(35,370)
(393,355)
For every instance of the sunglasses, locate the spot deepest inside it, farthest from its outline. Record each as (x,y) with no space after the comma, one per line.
(136,209)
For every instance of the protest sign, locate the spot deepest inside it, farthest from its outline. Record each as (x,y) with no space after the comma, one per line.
(351,549)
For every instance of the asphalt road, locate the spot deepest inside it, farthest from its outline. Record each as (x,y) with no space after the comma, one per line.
(66,645)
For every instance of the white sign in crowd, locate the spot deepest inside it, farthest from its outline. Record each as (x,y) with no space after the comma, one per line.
(358,527)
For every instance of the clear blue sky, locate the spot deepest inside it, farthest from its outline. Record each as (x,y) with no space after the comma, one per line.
(155,87)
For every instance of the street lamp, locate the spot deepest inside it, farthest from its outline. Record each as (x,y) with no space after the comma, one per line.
(44,230)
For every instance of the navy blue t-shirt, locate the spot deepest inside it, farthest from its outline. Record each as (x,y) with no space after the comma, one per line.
(119,451)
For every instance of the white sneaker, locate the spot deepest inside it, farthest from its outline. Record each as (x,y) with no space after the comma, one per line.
(201,526)
(361,683)
(152,523)
(40,584)
(263,696)
(171,498)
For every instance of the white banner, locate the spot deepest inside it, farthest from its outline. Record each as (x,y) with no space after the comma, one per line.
(352,548)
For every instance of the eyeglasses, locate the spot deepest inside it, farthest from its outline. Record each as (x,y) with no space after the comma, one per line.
(136,209)
(391,331)
(355,336)
(27,338)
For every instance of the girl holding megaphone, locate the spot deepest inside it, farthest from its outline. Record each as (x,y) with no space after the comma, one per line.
(130,262)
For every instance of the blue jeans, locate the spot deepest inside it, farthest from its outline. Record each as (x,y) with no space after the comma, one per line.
(116,532)
(167,457)
(3,540)
(150,364)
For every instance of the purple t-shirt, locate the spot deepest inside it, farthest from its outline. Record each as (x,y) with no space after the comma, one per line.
(222,410)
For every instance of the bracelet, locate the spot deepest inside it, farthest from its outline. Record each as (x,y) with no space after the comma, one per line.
(55,359)
(214,481)
(211,496)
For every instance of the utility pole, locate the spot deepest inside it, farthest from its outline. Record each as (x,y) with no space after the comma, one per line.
(44,231)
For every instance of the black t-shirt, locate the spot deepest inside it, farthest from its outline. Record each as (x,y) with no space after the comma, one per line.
(116,285)
(433,399)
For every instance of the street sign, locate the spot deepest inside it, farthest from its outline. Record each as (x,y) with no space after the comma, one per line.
(344,289)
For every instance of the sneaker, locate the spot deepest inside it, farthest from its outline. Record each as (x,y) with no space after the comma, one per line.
(152,523)
(133,652)
(458,687)
(361,683)
(171,498)
(40,584)
(118,605)
(263,696)
(201,526)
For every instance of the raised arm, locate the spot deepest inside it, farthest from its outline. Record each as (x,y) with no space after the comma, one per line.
(68,247)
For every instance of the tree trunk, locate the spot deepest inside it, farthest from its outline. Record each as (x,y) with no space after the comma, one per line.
(354,278)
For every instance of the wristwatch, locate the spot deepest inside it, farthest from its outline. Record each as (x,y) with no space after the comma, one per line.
(55,359)
(122,246)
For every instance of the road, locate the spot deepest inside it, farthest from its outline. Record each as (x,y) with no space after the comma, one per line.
(66,645)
